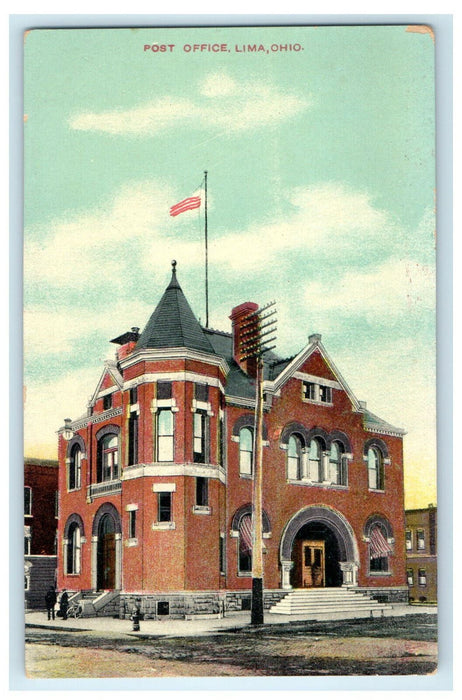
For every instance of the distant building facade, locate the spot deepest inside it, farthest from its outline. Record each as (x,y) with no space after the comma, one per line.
(40,528)
(156,479)
(421,559)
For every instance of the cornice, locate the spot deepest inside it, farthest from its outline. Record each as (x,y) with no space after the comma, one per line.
(154,355)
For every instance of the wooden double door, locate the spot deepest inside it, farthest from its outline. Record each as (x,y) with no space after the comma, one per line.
(310,564)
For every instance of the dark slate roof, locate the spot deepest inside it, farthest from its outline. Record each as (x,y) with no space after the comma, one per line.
(379,424)
(221,342)
(173,324)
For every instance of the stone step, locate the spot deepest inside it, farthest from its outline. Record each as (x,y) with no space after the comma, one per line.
(324,601)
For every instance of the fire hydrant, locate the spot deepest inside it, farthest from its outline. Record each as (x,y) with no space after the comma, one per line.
(136,615)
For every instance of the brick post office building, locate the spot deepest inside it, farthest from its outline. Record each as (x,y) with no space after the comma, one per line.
(156,478)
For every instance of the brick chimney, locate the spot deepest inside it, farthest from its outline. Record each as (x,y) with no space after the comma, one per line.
(238,318)
(127,342)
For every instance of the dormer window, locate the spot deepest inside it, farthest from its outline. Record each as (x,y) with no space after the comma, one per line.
(309,392)
(316,392)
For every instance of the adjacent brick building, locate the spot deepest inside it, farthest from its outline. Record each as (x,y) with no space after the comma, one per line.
(156,477)
(40,528)
(421,539)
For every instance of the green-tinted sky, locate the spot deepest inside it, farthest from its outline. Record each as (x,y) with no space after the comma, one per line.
(321,196)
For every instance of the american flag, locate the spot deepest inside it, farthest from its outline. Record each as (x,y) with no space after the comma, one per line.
(185,205)
(245,531)
(379,545)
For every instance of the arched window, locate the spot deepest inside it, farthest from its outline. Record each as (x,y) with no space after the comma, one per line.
(73,549)
(379,548)
(75,468)
(246,451)
(338,464)
(375,468)
(294,458)
(108,458)
(315,461)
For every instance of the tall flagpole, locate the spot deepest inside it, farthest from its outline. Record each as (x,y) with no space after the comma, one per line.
(206,257)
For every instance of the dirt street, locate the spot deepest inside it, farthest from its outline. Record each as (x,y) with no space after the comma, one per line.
(366,648)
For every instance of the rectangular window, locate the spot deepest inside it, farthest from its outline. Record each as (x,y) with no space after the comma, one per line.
(56,504)
(408,540)
(422,577)
(309,391)
(164,390)
(325,394)
(131,524)
(202,491)
(200,437)
(410,577)
(220,442)
(133,395)
(27,545)
(107,402)
(165,436)
(164,507)
(133,439)
(420,539)
(201,392)
(27,500)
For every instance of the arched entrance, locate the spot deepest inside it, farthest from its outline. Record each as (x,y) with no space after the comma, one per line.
(105,577)
(106,549)
(318,550)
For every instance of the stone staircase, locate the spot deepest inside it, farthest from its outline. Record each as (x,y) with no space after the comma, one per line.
(316,602)
(95,603)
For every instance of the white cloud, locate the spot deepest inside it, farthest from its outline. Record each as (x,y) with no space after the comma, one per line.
(388,290)
(55,331)
(48,403)
(324,217)
(222,105)
(91,248)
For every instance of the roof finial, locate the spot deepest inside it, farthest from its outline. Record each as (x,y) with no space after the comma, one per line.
(174,265)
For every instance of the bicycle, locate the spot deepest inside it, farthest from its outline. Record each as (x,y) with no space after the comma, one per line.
(74,610)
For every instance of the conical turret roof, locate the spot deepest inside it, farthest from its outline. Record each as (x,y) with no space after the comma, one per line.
(173,324)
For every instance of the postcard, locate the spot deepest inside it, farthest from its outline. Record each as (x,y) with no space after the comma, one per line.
(229,323)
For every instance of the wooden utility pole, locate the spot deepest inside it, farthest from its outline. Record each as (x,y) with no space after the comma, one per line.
(254,341)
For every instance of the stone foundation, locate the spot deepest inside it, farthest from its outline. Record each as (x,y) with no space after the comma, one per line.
(386,595)
(179,606)
(190,605)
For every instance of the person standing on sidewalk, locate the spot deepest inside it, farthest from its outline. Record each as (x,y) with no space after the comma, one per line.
(64,604)
(50,602)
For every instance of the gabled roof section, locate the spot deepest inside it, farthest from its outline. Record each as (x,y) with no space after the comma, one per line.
(287,370)
(173,324)
(110,369)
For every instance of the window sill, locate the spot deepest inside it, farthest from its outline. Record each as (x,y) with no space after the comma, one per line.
(318,403)
(246,476)
(132,542)
(244,574)
(376,490)
(77,488)
(202,510)
(380,574)
(163,526)
(318,484)
(28,515)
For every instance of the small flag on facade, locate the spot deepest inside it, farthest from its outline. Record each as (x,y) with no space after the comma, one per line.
(185,205)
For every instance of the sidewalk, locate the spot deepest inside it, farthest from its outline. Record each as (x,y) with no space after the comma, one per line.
(186,628)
